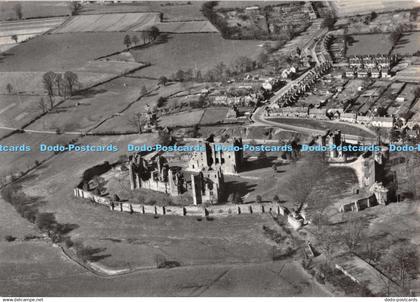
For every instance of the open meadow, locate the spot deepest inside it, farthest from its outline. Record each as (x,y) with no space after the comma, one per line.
(60,52)
(195,51)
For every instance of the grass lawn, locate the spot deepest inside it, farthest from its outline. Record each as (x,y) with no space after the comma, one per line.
(184,51)
(369,44)
(323,125)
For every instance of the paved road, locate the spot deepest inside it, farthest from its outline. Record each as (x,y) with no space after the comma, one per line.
(258,115)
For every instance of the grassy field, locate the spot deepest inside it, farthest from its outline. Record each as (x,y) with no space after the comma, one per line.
(17,110)
(33,9)
(25,29)
(182,119)
(60,52)
(97,104)
(323,125)
(370,44)
(200,51)
(178,238)
(109,22)
(214,115)
(408,44)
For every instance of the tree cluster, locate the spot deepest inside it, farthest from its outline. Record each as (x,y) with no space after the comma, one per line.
(147,36)
(59,84)
(208,10)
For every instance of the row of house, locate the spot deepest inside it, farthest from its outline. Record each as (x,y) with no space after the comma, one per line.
(292,95)
(330,114)
(362,73)
(369,62)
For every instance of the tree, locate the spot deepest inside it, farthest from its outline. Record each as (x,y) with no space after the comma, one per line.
(45,221)
(143,90)
(373,15)
(14,38)
(136,121)
(127,41)
(243,64)
(154,32)
(396,35)
(135,40)
(417,92)
(18,11)
(353,235)
(145,36)
(161,101)
(401,261)
(304,179)
(179,75)
(328,22)
(274,167)
(58,80)
(9,88)
(237,199)
(164,138)
(42,105)
(75,7)
(71,81)
(258,199)
(48,81)
(276,199)
(163,80)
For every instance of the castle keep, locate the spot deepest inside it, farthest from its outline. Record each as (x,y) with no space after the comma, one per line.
(217,156)
(206,185)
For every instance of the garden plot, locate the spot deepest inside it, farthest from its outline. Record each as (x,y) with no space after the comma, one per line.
(109,22)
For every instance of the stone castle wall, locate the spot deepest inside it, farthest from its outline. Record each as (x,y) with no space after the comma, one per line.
(198,211)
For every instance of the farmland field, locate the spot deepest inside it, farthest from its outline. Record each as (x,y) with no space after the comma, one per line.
(200,51)
(370,44)
(60,52)
(109,22)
